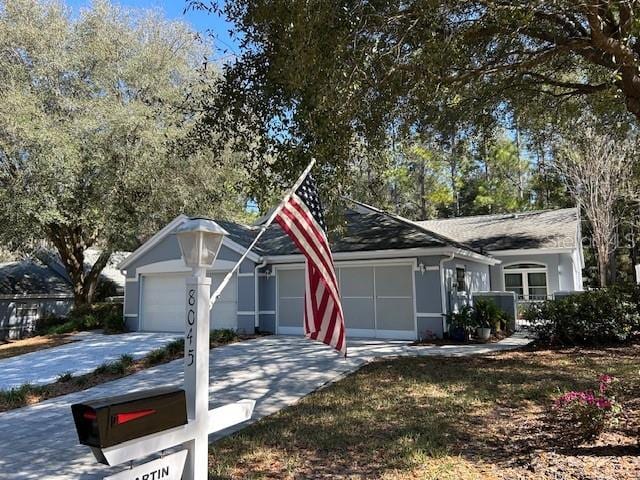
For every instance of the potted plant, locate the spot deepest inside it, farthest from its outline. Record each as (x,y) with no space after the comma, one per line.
(485,313)
(459,324)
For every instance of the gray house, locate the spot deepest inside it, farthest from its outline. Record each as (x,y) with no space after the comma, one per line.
(398,278)
(35,287)
(540,252)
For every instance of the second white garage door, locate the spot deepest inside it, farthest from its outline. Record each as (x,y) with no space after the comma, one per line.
(163,303)
(377,301)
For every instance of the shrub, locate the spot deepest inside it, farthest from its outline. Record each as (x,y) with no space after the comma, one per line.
(126,359)
(225,335)
(64,377)
(590,411)
(590,318)
(175,347)
(154,357)
(114,323)
(486,314)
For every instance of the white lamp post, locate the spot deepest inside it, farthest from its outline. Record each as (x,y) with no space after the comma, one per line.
(200,240)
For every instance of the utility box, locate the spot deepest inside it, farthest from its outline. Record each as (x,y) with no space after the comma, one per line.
(105,422)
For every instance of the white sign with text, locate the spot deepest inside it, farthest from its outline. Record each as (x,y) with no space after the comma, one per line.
(169,467)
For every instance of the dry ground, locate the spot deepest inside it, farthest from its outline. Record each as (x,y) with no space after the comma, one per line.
(437,418)
(12,348)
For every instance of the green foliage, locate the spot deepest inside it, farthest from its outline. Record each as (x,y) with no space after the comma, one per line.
(126,359)
(96,113)
(155,357)
(222,336)
(175,347)
(18,397)
(463,318)
(486,314)
(65,377)
(597,317)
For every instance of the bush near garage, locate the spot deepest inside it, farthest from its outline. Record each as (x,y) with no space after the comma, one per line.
(597,317)
(105,316)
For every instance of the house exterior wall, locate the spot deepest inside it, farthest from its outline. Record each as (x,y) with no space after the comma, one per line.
(563,270)
(168,249)
(15,326)
(427,290)
(477,279)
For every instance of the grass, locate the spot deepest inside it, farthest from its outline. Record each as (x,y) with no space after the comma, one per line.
(125,365)
(436,418)
(13,348)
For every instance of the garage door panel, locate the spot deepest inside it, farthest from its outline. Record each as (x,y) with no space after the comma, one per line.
(164,303)
(394,314)
(291,312)
(291,283)
(356,282)
(393,281)
(377,300)
(358,313)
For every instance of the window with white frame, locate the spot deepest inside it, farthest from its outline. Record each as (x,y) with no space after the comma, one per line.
(527,280)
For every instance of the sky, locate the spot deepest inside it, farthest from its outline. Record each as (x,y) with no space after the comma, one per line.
(173,9)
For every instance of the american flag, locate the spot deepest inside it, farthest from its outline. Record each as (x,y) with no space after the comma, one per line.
(302,218)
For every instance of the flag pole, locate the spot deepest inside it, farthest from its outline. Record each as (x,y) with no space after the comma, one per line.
(265,225)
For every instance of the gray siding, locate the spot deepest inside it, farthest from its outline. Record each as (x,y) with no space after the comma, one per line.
(477,279)
(246,294)
(506,301)
(13,326)
(429,325)
(246,324)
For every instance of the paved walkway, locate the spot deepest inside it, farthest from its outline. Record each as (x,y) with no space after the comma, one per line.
(40,442)
(83,356)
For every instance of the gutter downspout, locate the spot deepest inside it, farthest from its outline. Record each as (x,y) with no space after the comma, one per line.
(256,297)
(443,297)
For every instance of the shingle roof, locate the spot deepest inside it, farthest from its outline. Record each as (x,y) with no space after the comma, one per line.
(363,231)
(31,277)
(527,230)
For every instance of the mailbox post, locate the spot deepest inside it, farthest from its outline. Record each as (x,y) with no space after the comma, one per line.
(133,427)
(200,241)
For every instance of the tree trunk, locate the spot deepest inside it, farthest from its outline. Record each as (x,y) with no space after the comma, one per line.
(603,266)
(71,246)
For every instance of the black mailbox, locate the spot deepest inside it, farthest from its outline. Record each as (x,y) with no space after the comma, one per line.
(109,421)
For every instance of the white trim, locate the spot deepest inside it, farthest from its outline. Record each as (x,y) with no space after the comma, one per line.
(149,244)
(131,279)
(166,230)
(532,251)
(130,315)
(543,268)
(178,266)
(244,274)
(433,314)
(267,312)
(407,253)
(245,312)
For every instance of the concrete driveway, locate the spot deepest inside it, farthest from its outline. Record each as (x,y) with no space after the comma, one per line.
(82,356)
(40,441)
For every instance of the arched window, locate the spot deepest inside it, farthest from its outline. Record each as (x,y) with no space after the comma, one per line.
(528,280)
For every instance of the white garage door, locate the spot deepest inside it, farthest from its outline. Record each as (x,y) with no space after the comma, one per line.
(163,303)
(377,301)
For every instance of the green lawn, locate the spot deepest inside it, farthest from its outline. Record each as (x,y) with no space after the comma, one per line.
(434,418)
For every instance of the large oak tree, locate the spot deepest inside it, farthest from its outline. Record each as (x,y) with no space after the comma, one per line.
(324,78)
(93,111)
